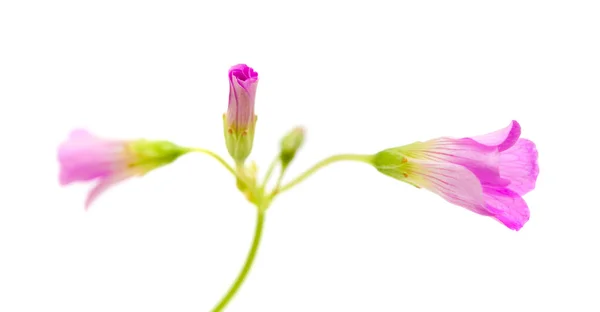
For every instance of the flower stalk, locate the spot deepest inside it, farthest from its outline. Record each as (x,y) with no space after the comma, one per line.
(260,221)
(323,163)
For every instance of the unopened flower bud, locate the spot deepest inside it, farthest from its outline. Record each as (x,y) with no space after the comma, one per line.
(290,144)
(239,121)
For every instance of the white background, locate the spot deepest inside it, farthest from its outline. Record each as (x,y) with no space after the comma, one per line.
(360,77)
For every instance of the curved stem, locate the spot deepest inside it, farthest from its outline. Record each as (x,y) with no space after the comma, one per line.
(215,156)
(260,220)
(327,161)
(222,161)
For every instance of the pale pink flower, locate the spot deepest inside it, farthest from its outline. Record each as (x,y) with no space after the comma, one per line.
(486,174)
(85,157)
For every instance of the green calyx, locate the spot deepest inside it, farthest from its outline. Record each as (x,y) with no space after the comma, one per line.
(390,162)
(153,154)
(239,141)
(394,163)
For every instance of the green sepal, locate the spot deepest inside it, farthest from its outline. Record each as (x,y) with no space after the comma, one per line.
(153,154)
(393,163)
(239,141)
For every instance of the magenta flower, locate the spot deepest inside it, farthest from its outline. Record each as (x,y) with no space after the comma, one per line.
(243,81)
(486,174)
(240,120)
(85,157)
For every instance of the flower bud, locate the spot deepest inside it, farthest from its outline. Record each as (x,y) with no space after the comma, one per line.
(239,121)
(290,143)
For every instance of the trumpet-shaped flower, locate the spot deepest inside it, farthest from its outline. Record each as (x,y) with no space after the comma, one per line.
(86,157)
(486,174)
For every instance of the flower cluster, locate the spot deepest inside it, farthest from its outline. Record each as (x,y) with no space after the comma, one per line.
(485,174)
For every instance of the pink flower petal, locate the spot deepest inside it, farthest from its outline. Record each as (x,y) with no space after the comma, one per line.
(454,183)
(519,165)
(507,207)
(105,184)
(84,157)
(480,159)
(81,134)
(243,81)
(503,138)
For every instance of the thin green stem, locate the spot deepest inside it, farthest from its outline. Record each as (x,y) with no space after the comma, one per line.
(280,179)
(323,163)
(268,197)
(260,220)
(220,159)
(269,172)
(215,156)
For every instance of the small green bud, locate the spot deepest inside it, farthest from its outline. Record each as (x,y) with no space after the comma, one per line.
(290,144)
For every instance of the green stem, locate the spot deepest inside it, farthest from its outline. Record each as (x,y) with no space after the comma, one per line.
(270,172)
(327,161)
(220,159)
(215,156)
(260,220)
(280,179)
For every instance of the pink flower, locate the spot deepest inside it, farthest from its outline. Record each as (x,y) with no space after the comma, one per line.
(243,81)
(486,174)
(85,157)
(239,122)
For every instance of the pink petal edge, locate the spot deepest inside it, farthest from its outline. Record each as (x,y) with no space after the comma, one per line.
(519,164)
(105,184)
(507,207)
(503,138)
